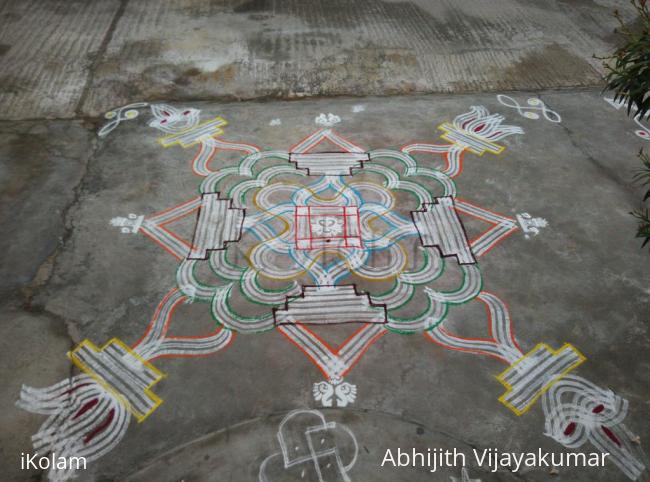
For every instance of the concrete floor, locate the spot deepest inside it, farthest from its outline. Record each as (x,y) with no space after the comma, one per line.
(69,275)
(63,58)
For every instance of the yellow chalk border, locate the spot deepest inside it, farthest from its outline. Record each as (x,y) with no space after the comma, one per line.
(446,127)
(549,384)
(164,141)
(116,341)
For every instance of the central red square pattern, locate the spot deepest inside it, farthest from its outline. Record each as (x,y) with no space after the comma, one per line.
(320,227)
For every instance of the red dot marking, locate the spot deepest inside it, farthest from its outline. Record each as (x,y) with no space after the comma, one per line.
(570,429)
(85,408)
(76,387)
(611,435)
(599,408)
(101,427)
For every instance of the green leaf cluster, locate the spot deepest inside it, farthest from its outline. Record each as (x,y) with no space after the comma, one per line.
(628,69)
(643,214)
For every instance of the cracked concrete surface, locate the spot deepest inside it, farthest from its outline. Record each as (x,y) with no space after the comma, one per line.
(67,274)
(586,278)
(48,162)
(101,55)
(43,163)
(236,442)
